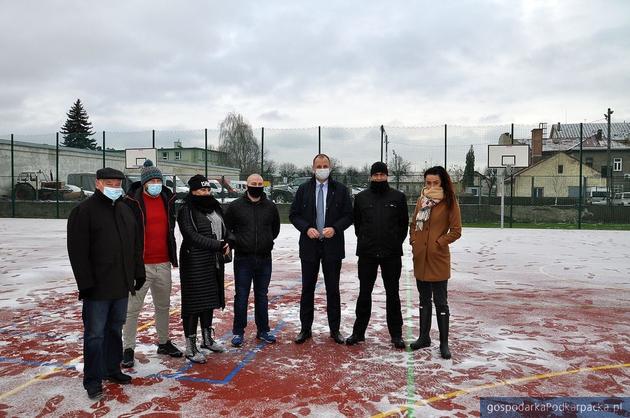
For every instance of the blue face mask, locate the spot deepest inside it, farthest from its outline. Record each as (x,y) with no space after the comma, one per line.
(154,189)
(113,192)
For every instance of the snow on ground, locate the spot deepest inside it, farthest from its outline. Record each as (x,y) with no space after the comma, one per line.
(523,303)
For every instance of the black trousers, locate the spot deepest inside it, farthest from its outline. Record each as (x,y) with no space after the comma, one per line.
(190,322)
(310,270)
(439,292)
(390,272)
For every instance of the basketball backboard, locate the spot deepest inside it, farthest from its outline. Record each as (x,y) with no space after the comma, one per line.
(135,157)
(503,156)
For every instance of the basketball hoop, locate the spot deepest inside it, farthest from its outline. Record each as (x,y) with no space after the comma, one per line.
(507,157)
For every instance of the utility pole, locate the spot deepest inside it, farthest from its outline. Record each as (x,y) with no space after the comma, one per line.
(609,164)
(386,146)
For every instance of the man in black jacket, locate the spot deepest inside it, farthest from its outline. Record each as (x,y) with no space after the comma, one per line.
(154,208)
(321,211)
(380,223)
(105,251)
(255,223)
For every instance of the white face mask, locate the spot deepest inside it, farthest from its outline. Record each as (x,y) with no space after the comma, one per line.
(113,192)
(322,173)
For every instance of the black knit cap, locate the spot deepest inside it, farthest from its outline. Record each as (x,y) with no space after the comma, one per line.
(379,167)
(109,173)
(197,182)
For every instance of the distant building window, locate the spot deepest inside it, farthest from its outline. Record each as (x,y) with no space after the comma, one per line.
(178,155)
(617,163)
(589,162)
(560,168)
(617,188)
(604,171)
(539,192)
(165,155)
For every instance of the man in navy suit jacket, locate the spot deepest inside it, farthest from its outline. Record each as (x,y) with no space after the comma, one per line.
(321,211)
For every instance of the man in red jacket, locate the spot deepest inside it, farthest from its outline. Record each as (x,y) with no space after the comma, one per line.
(153,206)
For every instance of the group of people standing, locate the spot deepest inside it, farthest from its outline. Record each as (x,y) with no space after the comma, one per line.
(123,246)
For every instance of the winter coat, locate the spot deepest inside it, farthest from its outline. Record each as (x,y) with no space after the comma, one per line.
(303,216)
(380,222)
(430,247)
(201,267)
(254,225)
(136,203)
(105,248)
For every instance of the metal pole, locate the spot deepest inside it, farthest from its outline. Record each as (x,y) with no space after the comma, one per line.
(153,138)
(580,181)
(12,180)
(386,148)
(511,181)
(262,150)
(382,135)
(319,139)
(445,143)
(103,149)
(57,174)
(206,150)
(609,169)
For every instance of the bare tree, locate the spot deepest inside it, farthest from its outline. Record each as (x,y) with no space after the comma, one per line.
(237,141)
(558,183)
(490,178)
(288,170)
(399,167)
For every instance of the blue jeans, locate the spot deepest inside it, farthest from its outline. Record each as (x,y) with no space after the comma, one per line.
(247,269)
(102,338)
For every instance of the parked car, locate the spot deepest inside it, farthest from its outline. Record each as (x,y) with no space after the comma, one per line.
(597,196)
(622,199)
(284,193)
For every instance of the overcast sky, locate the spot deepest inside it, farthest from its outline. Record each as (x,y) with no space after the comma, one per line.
(141,65)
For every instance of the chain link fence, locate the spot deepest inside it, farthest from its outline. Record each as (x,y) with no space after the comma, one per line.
(563,186)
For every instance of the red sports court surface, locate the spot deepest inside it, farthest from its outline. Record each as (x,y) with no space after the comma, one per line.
(534,313)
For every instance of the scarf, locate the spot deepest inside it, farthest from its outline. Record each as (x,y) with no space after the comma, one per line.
(428,199)
(205,204)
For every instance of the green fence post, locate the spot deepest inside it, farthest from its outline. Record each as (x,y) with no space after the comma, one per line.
(206,150)
(103,149)
(262,150)
(580,181)
(12,180)
(57,174)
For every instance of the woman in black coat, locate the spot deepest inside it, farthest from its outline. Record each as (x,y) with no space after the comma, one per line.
(202,258)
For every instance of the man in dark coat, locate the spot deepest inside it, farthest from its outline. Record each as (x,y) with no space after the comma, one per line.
(105,251)
(321,211)
(380,223)
(255,223)
(154,208)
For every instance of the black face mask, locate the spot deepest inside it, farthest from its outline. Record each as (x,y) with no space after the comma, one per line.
(379,186)
(255,192)
(204,203)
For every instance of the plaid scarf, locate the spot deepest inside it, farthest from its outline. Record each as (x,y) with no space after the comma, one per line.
(428,198)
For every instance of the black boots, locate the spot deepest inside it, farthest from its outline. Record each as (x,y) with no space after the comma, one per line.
(424,340)
(442,320)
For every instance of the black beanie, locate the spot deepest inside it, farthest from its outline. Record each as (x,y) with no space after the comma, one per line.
(379,167)
(197,182)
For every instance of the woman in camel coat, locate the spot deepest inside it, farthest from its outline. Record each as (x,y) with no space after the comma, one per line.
(435,224)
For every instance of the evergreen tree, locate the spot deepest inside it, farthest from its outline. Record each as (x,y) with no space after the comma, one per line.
(469,170)
(78,129)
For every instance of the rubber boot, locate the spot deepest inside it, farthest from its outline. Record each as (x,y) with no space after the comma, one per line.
(442,320)
(192,352)
(209,343)
(424,340)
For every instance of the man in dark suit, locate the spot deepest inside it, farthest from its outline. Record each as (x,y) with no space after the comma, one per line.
(321,211)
